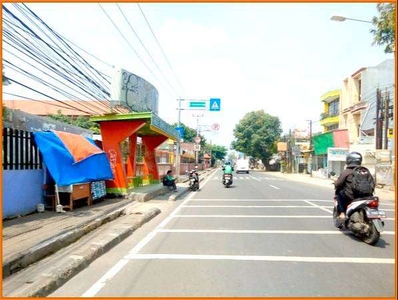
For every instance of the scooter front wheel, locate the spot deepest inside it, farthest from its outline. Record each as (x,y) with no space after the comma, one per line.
(338,223)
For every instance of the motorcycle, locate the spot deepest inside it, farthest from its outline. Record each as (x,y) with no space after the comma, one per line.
(193,180)
(227,180)
(363,218)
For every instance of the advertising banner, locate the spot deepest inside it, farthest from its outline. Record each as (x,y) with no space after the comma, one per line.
(133,92)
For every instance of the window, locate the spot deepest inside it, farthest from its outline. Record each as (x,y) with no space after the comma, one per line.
(333,109)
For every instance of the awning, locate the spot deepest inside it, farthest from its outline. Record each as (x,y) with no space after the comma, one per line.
(72,158)
(154,124)
(337,138)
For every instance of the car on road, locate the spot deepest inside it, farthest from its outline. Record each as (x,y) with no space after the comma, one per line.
(242,165)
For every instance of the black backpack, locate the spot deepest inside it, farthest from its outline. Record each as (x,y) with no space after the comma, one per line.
(363,183)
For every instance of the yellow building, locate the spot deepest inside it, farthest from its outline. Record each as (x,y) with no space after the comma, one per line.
(330,115)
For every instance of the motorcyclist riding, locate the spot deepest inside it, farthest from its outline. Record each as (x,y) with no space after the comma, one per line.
(343,184)
(227,169)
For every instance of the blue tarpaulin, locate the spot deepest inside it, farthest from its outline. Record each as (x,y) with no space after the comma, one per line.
(72,158)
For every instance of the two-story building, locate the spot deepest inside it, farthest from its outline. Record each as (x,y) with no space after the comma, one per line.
(357,118)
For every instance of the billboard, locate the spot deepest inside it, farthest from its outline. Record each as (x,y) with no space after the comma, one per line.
(133,92)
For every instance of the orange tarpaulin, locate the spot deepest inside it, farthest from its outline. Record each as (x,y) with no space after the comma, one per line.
(78,146)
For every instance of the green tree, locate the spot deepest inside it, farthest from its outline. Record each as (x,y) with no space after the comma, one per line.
(81,121)
(384,33)
(217,152)
(190,134)
(256,135)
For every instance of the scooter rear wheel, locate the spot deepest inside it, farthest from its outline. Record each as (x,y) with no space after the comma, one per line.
(373,236)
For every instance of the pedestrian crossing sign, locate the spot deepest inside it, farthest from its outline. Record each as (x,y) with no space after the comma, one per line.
(215,104)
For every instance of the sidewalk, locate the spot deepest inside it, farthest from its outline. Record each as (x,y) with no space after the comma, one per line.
(30,238)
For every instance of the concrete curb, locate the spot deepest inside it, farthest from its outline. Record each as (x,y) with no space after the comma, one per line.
(46,284)
(143,197)
(23,259)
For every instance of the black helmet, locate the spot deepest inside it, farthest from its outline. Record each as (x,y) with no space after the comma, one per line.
(354,158)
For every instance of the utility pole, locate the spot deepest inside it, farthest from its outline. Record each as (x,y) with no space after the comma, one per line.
(197,136)
(178,143)
(379,120)
(385,118)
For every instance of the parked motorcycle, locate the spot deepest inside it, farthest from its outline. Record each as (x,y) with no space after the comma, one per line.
(193,180)
(227,180)
(363,218)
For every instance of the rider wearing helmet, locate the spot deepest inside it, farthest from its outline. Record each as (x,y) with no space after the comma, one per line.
(227,169)
(343,184)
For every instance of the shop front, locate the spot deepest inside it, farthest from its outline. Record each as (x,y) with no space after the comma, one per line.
(330,150)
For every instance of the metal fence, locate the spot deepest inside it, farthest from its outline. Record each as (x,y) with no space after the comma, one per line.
(20,151)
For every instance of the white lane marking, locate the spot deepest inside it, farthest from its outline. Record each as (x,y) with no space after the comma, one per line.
(357,260)
(258,200)
(94,289)
(274,187)
(254,206)
(255,178)
(259,216)
(263,231)
(320,207)
(247,216)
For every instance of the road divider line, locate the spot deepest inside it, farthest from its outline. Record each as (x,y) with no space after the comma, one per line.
(320,207)
(259,216)
(263,231)
(262,200)
(94,289)
(345,260)
(255,178)
(274,187)
(252,206)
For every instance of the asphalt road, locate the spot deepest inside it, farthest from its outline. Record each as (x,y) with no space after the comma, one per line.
(262,237)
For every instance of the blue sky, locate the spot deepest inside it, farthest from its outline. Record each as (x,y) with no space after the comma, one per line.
(279,57)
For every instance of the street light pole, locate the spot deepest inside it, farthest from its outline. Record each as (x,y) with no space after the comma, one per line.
(342,19)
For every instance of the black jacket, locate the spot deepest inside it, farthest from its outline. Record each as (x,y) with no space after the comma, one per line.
(344,182)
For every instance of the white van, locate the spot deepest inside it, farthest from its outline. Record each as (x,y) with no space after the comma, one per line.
(242,165)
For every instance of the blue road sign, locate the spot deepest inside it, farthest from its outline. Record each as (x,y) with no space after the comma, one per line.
(180,132)
(215,104)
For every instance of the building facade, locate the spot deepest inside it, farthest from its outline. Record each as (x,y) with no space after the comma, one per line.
(362,108)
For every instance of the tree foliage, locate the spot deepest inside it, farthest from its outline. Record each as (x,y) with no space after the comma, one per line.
(217,152)
(384,33)
(81,121)
(256,135)
(190,134)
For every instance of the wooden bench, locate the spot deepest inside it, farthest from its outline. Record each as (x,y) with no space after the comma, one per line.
(79,191)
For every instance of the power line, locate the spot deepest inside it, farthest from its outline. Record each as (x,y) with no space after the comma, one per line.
(12,33)
(132,29)
(41,54)
(161,49)
(40,93)
(131,47)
